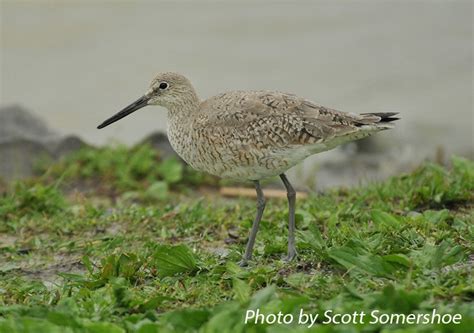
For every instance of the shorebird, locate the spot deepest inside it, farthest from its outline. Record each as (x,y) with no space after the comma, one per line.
(251,135)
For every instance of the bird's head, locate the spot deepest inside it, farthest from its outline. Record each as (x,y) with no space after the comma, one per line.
(170,90)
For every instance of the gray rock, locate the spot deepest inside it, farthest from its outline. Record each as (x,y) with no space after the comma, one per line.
(19,157)
(18,123)
(25,139)
(159,141)
(66,145)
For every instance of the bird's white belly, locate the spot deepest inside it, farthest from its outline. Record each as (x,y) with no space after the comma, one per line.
(228,158)
(243,164)
(272,162)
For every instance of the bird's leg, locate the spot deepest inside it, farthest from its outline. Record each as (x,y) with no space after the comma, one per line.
(291,194)
(253,233)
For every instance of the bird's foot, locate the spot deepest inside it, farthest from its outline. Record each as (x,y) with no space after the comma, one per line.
(290,256)
(243,263)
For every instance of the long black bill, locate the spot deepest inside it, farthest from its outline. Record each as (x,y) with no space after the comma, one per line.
(138,104)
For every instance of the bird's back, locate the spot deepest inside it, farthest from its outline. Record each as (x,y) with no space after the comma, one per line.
(258,134)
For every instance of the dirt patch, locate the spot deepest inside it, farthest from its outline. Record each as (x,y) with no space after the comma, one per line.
(7,241)
(49,272)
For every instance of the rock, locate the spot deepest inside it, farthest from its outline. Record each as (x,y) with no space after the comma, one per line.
(159,141)
(18,123)
(25,139)
(67,145)
(19,157)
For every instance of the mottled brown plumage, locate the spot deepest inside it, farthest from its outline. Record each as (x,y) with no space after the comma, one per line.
(258,134)
(251,135)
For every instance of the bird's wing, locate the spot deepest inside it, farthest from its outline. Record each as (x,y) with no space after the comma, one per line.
(280,117)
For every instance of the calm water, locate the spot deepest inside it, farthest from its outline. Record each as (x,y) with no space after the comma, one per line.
(75,64)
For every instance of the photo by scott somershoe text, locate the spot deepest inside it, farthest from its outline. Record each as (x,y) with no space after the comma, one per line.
(330,317)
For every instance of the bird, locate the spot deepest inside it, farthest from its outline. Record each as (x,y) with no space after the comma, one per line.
(251,135)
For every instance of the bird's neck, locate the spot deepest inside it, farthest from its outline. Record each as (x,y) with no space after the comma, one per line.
(183,111)
(180,124)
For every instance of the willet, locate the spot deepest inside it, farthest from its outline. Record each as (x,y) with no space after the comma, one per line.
(251,135)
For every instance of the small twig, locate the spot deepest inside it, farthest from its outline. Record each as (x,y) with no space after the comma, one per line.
(250,192)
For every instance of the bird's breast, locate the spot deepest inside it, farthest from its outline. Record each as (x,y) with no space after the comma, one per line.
(223,153)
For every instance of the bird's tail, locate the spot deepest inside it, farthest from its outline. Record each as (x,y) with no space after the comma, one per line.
(385,117)
(382,120)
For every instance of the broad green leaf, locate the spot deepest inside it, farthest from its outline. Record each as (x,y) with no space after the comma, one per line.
(36,325)
(148,327)
(398,300)
(385,219)
(436,216)
(186,320)
(241,290)
(446,254)
(102,327)
(371,264)
(225,318)
(262,296)
(171,260)
(62,319)
(398,258)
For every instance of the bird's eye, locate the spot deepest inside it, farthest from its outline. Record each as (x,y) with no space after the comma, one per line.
(164,85)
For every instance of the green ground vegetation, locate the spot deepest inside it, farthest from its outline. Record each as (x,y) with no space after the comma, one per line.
(120,240)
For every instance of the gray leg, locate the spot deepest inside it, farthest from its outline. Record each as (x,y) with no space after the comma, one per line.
(256,223)
(291,213)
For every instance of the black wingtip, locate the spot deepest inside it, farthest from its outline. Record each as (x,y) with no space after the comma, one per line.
(387,120)
(386,117)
